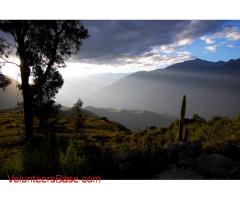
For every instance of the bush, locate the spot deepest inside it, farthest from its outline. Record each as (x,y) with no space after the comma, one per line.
(78,117)
(41,156)
(73,163)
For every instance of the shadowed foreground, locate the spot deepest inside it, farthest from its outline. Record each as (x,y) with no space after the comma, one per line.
(107,149)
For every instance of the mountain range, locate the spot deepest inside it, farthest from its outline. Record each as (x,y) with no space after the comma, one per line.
(212,88)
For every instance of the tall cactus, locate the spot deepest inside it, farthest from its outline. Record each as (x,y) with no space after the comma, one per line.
(181,121)
(186,135)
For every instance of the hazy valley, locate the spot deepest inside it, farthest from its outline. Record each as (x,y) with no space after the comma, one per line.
(212,89)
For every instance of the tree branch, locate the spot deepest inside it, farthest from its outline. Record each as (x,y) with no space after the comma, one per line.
(10,44)
(7,61)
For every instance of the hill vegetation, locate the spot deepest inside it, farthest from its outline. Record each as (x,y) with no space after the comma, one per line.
(108,149)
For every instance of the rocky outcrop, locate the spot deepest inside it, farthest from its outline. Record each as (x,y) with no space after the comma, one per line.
(189,161)
(214,166)
(176,173)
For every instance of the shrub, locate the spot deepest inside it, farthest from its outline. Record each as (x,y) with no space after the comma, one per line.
(78,116)
(41,156)
(73,163)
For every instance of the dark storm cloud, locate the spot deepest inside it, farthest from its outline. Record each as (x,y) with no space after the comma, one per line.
(111,40)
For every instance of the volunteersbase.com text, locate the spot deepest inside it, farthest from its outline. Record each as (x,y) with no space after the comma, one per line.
(53,179)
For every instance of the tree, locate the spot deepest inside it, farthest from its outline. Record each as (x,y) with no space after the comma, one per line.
(4,81)
(42,47)
(78,117)
(44,107)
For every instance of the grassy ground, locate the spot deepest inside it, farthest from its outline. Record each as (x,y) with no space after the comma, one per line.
(98,131)
(105,148)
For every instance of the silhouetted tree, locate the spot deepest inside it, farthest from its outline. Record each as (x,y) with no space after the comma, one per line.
(78,116)
(44,106)
(4,81)
(42,47)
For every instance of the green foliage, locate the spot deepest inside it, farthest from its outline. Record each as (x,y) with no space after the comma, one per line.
(4,81)
(72,162)
(41,156)
(106,149)
(215,134)
(11,162)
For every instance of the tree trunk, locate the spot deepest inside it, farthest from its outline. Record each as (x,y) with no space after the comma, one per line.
(27,102)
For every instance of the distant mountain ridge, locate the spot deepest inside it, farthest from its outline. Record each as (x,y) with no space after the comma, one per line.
(199,65)
(134,119)
(212,88)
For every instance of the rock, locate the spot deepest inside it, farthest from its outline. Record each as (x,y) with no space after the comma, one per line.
(176,173)
(233,151)
(182,151)
(195,148)
(235,174)
(214,166)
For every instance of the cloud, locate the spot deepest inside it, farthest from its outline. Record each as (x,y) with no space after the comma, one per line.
(167,48)
(230,46)
(229,33)
(111,41)
(154,59)
(183,42)
(212,48)
(173,47)
(207,40)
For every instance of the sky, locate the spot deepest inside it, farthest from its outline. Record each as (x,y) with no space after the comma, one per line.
(142,45)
